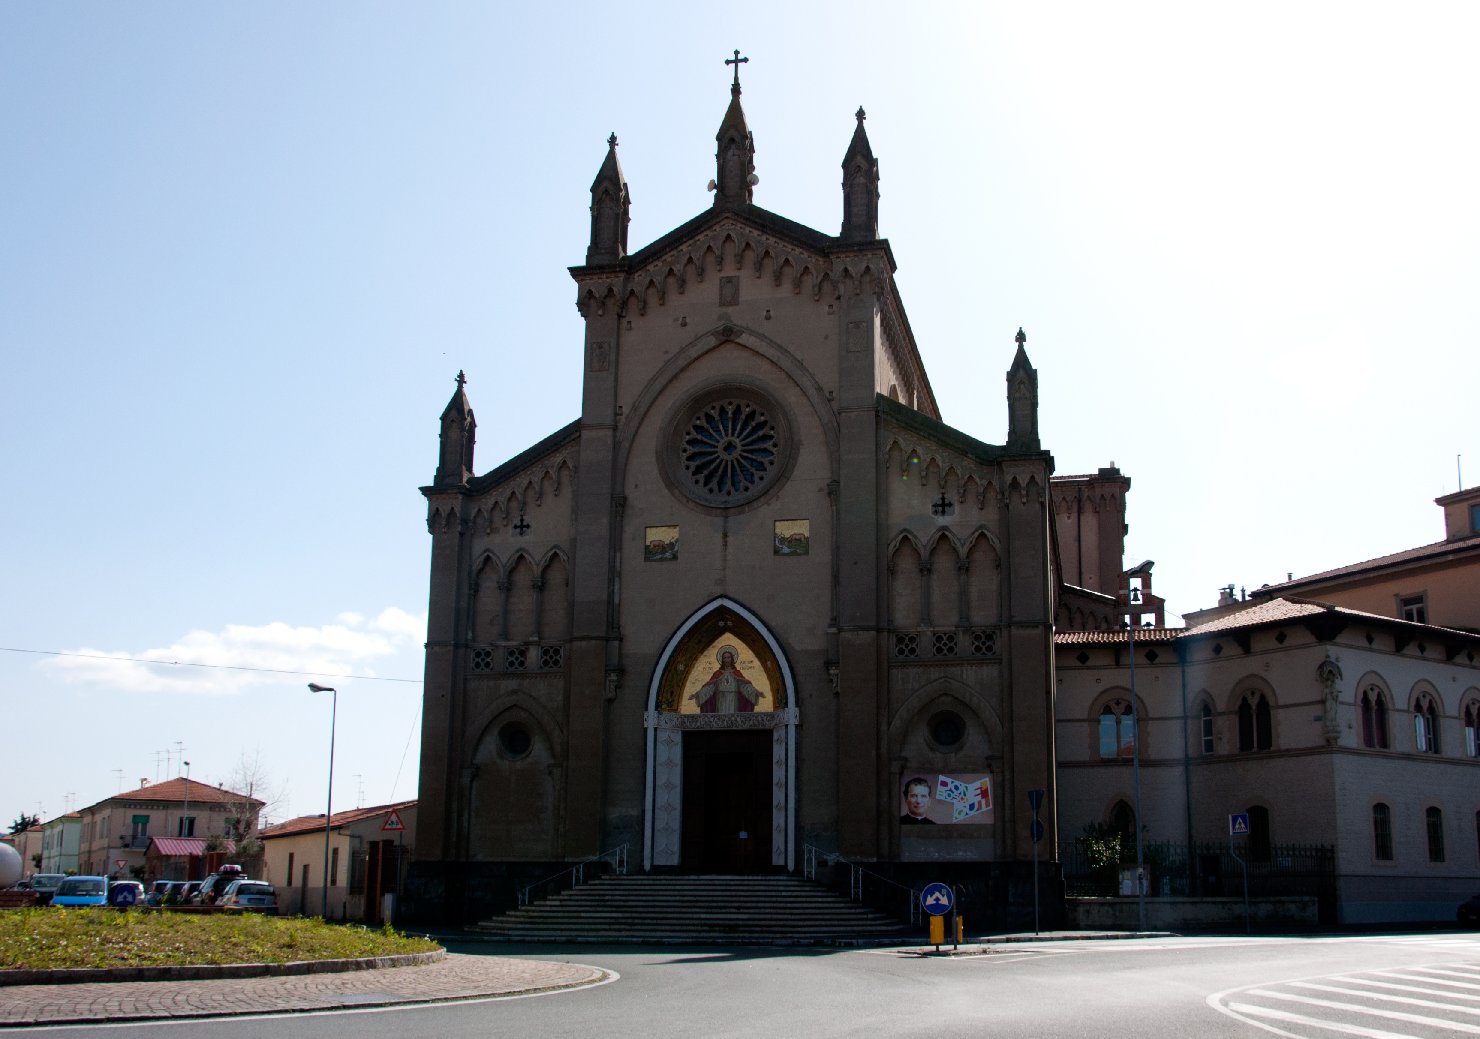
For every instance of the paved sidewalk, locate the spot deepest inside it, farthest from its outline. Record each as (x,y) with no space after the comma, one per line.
(453,977)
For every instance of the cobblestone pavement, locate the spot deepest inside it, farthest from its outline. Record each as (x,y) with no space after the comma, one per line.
(454,977)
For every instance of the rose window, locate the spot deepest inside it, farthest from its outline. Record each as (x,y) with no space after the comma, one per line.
(729,449)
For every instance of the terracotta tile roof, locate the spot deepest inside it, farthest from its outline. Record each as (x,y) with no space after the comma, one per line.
(310,823)
(1111,638)
(1411,555)
(1265,613)
(1276,611)
(182,789)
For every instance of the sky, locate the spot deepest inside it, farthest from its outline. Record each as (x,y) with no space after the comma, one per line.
(245,250)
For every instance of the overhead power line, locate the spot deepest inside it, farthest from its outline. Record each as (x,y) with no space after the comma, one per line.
(213,667)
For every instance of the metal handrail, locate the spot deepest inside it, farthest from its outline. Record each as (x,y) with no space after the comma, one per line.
(856,873)
(616,856)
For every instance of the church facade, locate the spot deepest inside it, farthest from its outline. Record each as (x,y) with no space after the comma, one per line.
(756,595)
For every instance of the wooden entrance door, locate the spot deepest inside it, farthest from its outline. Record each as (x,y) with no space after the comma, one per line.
(726,801)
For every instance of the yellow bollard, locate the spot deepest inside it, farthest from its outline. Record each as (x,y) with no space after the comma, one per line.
(960,929)
(937,930)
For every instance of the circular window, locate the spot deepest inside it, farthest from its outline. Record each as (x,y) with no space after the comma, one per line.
(514,738)
(729,449)
(947,730)
(726,447)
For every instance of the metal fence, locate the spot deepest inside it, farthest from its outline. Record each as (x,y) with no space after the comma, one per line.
(1206,870)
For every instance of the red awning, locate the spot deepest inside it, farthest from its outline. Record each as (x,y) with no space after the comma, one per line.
(192,846)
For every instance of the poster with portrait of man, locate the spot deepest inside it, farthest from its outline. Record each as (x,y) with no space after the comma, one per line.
(938,799)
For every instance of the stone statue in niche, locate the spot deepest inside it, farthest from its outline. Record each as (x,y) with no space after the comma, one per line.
(1330,674)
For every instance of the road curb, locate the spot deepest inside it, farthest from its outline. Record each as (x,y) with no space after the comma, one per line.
(207,972)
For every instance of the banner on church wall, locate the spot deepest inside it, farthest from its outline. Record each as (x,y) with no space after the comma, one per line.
(937,799)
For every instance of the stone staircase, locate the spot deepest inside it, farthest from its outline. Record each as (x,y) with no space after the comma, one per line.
(715,910)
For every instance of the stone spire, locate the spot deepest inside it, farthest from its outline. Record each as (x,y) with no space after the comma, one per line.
(459,428)
(611,206)
(1022,400)
(734,159)
(860,188)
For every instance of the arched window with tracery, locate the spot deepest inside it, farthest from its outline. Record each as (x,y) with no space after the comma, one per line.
(1205,727)
(1425,725)
(1117,730)
(1374,718)
(1255,729)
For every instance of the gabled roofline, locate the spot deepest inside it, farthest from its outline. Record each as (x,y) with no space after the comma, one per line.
(950,436)
(797,234)
(1423,555)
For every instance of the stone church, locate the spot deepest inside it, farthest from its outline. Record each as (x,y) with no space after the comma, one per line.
(759,600)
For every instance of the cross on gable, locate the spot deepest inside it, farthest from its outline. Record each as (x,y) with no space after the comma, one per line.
(522,527)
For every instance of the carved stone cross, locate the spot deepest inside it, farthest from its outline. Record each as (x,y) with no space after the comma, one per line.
(522,527)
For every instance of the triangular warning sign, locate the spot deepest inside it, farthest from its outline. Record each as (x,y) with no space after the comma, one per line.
(393,823)
(1240,824)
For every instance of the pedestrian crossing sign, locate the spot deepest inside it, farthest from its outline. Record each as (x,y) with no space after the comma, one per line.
(1238,824)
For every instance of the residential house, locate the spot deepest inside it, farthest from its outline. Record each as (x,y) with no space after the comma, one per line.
(116,832)
(368,849)
(60,839)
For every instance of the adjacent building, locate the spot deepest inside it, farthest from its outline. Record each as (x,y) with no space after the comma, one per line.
(1438,583)
(368,850)
(115,834)
(60,840)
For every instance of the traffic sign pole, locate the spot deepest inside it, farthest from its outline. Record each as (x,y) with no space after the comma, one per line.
(1238,826)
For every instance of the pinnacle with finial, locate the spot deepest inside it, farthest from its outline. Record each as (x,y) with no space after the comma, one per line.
(1020,338)
(462,380)
(611,142)
(859,115)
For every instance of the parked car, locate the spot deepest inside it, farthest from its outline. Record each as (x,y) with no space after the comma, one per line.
(256,895)
(212,887)
(158,890)
(81,891)
(125,893)
(185,894)
(1469,912)
(45,885)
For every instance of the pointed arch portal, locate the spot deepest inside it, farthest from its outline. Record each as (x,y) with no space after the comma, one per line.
(721,725)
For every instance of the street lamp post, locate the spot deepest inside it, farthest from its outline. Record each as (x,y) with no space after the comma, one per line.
(186,813)
(1135,598)
(314,687)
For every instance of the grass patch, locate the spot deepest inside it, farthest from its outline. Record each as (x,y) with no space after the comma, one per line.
(49,938)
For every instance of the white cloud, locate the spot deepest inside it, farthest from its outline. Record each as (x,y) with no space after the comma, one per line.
(240,655)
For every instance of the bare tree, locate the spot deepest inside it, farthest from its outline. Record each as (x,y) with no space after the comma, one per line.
(251,797)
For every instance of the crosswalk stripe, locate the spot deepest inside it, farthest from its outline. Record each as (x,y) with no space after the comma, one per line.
(1253,1010)
(1409,988)
(1390,1015)
(1430,976)
(1385,998)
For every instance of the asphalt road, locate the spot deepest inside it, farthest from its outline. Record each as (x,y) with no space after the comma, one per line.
(1372,985)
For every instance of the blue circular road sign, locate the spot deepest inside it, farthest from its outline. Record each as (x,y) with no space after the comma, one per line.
(937,899)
